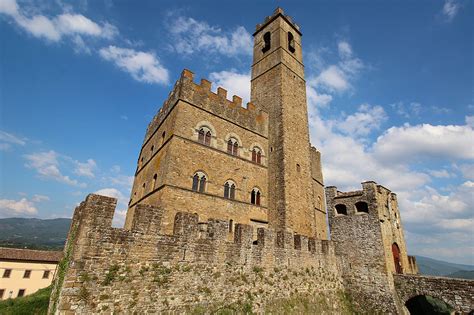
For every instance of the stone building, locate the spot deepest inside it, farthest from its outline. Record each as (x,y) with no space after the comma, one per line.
(25,271)
(227,213)
(207,155)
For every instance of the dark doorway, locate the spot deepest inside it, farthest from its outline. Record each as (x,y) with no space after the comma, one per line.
(425,304)
(396,258)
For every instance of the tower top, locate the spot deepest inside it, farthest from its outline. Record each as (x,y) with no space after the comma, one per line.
(278,12)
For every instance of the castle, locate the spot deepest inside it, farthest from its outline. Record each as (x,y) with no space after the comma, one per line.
(228,211)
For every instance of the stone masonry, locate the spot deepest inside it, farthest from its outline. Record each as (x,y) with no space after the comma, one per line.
(228,213)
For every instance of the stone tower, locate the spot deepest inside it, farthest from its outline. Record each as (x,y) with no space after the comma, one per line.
(279,88)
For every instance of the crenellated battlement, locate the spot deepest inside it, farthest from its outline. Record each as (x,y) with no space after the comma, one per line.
(200,95)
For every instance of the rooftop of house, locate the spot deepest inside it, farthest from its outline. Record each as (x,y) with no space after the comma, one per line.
(29,255)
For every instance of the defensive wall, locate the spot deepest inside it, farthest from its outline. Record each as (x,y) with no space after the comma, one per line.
(139,270)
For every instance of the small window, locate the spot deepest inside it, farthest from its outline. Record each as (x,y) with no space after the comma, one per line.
(298,168)
(27,274)
(154,182)
(46,274)
(257,155)
(255,197)
(341,209)
(163,135)
(291,42)
(204,136)
(143,189)
(2,292)
(233,146)
(7,273)
(362,207)
(199,182)
(266,41)
(21,292)
(152,148)
(231,225)
(229,190)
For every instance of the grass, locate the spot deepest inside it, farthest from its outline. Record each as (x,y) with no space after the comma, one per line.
(34,304)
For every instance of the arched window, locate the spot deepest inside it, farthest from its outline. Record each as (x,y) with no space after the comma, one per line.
(291,42)
(152,148)
(207,139)
(201,135)
(266,40)
(143,189)
(341,209)
(231,225)
(233,146)
(199,182)
(257,155)
(362,207)
(229,190)
(255,197)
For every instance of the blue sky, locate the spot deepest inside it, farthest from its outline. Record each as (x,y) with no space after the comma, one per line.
(390,96)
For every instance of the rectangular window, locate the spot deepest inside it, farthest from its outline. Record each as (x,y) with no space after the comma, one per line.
(27,274)
(7,273)
(2,292)
(46,274)
(21,292)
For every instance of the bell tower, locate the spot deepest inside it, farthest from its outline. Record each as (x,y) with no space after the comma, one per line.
(278,87)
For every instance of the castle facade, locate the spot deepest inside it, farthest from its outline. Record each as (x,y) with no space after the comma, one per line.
(227,213)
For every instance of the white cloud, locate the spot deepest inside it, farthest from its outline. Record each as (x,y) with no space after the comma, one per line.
(345,49)
(54,29)
(39,198)
(333,78)
(408,143)
(337,77)
(467,171)
(365,120)
(10,207)
(235,83)
(46,165)
(85,169)
(450,9)
(142,66)
(190,36)
(407,110)
(440,173)
(8,139)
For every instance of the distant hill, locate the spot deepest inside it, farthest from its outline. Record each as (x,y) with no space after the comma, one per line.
(434,267)
(463,274)
(34,233)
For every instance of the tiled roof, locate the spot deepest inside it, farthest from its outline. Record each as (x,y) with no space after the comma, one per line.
(30,255)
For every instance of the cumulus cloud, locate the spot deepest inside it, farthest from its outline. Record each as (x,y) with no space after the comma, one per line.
(426,141)
(142,66)
(234,82)
(336,77)
(10,207)
(46,164)
(450,9)
(55,28)
(365,120)
(407,110)
(191,36)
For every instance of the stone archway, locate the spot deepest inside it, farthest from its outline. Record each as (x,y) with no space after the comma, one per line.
(426,304)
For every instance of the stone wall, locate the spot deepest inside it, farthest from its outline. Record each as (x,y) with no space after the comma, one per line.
(196,268)
(457,293)
(360,249)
